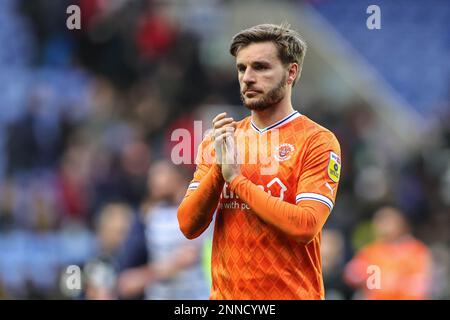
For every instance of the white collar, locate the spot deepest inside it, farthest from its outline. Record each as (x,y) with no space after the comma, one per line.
(289,118)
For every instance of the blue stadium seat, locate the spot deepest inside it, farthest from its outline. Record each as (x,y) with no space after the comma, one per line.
(410,51)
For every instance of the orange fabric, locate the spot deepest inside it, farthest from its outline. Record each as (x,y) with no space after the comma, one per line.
(302,222)
(203,202)
(287,193)
(404,270)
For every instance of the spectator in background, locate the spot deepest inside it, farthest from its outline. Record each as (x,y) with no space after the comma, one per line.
(175,269)
(112,226)
(333,257)
(22,141)
(404,262)
(134,253)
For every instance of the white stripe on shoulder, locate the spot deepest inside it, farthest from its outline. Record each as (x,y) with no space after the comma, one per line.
(316,197)
(194,185)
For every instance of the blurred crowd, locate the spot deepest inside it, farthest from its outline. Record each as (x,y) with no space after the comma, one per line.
(86,176)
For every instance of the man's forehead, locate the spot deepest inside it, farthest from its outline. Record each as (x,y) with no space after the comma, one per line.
(260,51)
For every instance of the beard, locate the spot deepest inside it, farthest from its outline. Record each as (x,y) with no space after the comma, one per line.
(269,99)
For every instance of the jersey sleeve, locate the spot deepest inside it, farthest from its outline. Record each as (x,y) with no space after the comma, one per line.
(204,160)
(320,170)
(197,208)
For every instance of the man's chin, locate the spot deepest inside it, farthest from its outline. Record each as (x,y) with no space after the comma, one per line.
(255,106)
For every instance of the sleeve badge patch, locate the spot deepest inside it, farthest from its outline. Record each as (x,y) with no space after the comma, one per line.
(334,167)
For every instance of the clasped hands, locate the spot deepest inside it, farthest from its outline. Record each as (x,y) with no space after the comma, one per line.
(224,129)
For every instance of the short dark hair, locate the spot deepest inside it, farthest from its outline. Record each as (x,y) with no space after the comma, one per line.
(291,46)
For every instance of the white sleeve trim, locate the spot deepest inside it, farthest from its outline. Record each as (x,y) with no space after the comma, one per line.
(316,197)
(194,185)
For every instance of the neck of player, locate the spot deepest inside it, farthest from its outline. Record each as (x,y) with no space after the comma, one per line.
(265,118)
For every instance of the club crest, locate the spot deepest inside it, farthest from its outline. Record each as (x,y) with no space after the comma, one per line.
(284,152)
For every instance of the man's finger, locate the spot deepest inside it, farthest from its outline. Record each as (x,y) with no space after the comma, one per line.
(218,117)
(230,154)
(219,132)
(223,130)
(221,138)
(223,122)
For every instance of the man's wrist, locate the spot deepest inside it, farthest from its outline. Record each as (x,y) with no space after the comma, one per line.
(217,171)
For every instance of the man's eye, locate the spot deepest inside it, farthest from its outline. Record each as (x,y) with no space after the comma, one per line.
(260,67)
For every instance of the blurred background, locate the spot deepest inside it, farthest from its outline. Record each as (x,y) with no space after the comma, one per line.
(86,118)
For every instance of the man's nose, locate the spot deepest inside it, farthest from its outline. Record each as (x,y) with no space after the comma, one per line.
(249,76)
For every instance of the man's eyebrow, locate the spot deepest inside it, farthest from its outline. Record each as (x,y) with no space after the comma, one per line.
(264,62)
(256,62)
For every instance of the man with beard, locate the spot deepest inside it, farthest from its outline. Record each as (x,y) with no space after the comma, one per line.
(272,177)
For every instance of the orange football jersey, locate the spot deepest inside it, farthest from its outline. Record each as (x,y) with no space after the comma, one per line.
(295,160)
(404,268)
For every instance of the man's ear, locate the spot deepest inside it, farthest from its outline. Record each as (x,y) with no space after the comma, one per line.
(292,72)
